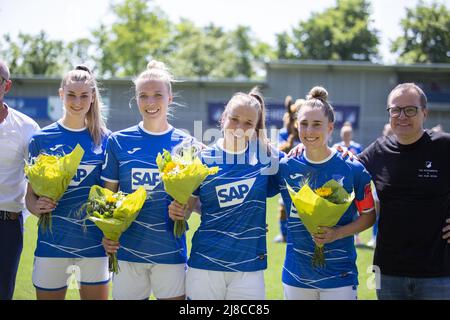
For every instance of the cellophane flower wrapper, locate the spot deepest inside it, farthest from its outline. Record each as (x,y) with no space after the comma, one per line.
(316,211)
(113,217)
(181,176)
(50,176)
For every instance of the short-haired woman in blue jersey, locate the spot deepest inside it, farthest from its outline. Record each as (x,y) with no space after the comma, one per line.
(151,259)
(67,249)
(319,163)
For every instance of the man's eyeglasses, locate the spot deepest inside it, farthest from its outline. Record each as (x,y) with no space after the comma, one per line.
(409,111)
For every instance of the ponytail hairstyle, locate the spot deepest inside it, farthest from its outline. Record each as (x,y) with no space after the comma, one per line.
(318,98)
(95,121)
(253,99)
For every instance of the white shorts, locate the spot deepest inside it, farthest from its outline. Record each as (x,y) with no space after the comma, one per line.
(137,281)
(51,274)
(219,285)
(342,293)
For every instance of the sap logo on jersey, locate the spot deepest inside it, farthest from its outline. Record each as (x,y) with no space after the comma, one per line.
(148,178)
(82,172)
(234,193)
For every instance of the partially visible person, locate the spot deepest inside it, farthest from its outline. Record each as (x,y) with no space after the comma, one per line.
(411,173)
(229,253)
(387,131)
(16,130)
(348,144)
(347,139)
(151,259)
(338,279)
(437,128)
(67,247)
(288,138)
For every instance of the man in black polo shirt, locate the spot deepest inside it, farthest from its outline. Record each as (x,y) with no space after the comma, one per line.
(411,172)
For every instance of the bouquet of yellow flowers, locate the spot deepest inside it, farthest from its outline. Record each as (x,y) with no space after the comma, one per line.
(182,173)
(322,207)
(113,213)
(49,176)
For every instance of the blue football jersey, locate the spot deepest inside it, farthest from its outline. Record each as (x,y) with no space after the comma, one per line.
(69,239)
(354,147)
(232,232)
(131,161)
(340,255)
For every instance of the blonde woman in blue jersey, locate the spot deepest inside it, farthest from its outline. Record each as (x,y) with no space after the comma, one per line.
(67,249)
(228,255)
(151,259)
(319,163)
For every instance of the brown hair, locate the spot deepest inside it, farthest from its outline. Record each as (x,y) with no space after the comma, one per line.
(254,99)
(318,98)
(95,121)
(409,86)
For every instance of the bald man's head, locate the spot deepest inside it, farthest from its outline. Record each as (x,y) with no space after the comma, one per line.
(4,70)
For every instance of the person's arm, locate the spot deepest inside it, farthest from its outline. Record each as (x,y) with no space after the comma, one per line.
(328,235)
(38,205)
(177,211)
(365,205)
(113,186)
(109,245)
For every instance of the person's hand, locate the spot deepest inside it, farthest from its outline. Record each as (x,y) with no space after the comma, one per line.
(446,231)
(346,153)
(326,235)
(42,206)
(110,246)
(177,211)
(296,151)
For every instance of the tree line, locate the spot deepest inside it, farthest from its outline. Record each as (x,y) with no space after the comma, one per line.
(142,31)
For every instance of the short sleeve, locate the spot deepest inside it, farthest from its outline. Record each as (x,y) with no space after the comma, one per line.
(110,168)
(33,149)
(362,186)
(33,128)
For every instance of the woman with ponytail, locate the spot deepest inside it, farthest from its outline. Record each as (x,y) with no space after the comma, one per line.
(151,259)
(67,249)
(228,255)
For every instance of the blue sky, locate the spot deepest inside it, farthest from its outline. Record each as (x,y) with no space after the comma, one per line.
(68,20)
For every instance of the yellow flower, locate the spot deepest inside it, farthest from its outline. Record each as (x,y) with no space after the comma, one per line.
(111,199)
(169,167)
(324,192)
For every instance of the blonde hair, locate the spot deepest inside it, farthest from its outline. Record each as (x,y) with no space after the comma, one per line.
(156,70)
(95,121)
(318,98)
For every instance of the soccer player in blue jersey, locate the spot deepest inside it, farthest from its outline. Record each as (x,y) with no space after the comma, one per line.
(67,249)
(347,143)
(150,258)
(320,163)
(228,255)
